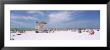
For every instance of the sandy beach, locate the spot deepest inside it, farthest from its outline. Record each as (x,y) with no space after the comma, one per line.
(57,35)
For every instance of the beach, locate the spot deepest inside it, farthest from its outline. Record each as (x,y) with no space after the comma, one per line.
(57,35)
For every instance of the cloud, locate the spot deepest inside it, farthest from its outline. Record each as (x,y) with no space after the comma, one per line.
(24,17)
(35,12)
(59,17)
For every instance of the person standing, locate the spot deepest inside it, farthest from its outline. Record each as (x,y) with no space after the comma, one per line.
(91,32)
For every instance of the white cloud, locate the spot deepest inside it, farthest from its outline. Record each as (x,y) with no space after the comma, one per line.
(35,12)
(24,17)
(59,17)
(31,12)
(29,18)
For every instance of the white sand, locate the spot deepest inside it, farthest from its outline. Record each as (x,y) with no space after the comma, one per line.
(57,35)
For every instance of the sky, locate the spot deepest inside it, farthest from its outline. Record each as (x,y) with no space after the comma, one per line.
(56,18)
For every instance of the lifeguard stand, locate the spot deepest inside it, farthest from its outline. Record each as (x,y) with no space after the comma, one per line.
(40,27)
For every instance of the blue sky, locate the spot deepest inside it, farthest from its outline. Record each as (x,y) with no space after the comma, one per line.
(56,18)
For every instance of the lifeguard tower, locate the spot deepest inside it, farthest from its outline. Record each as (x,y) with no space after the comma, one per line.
(41,27)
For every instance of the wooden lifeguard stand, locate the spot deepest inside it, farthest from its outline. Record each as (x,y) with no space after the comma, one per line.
(40,26)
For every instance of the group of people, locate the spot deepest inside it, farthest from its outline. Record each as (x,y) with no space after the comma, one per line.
(18,31)
(90,31)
